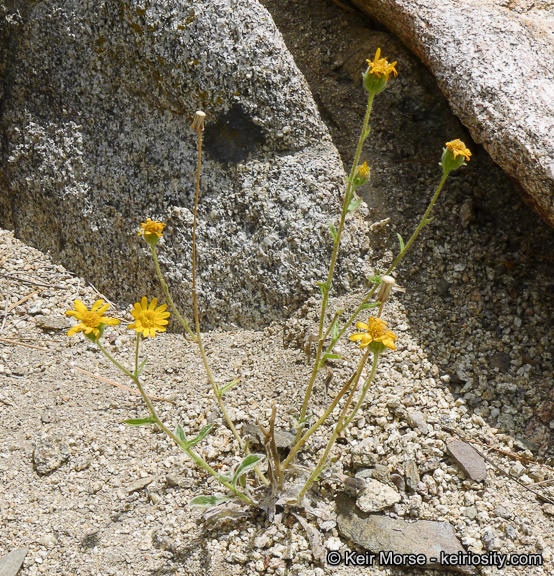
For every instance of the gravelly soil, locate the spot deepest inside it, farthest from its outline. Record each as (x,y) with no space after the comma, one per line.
(474,354)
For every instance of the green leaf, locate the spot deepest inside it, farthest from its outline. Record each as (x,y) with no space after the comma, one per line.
(335,331)
(353,205)
(250,462)
(141,421)
(180,433)
(227,387)
(370,305)
(333,232)
(142,364)
(332,357)
(401,243)
(324,287)
(203,433)
(375,279)
(208,501)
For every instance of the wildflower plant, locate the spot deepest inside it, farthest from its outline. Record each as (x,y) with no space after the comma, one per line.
(259,480)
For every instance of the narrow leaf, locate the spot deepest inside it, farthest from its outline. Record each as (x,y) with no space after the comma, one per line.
(333,232)
(353,205)
(180,433)
(370,305)
(141,421)
(427,220)
(324,287)
(142,364)
(203,433)
(401,243)
(208,501)
(227,387)
(331,357)
(375,279)
(246,465)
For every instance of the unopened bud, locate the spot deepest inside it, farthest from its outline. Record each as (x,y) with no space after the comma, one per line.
(198,121)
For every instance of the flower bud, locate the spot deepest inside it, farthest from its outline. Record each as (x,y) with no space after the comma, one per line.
(453,156)
(376,76)
(361,176)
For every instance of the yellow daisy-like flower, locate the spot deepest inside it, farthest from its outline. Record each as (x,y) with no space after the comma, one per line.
(458,148)
(90,320)
(380,66)
(148,318)
(151,227)
(375,331)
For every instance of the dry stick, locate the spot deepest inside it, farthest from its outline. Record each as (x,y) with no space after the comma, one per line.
(33,283)
(5,308)
(8,341)
(538,494)
(215,388)
(119,385)
(23,300)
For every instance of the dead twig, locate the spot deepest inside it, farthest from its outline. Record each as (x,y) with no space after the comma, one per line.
(18,343)
(120,385)
(32,282)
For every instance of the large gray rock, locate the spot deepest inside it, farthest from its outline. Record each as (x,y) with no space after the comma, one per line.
(494,61)
(97,101)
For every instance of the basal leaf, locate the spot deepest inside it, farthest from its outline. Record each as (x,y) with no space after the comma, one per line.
(208,501)
(249,463)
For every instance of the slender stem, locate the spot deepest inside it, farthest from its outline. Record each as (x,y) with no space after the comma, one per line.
(198,338)
(340,426)
(394,264)
(182,320)
(137,354)
(325,299)
(329,410)
(195,457)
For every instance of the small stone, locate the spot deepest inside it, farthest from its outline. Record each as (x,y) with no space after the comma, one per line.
(490,542)
(48,541)
(333,543)
(517,469)
(398,481)
(12,562)
(50,451)
(377,496)
(52,322)
(139,484)
(416,419)
(548,509)
(412,474)
(469,459)
(470,512)
(48,417)
(502,512)
(501,361)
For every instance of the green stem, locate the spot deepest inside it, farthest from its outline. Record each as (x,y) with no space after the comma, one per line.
(342,392)
(325,299)
(195,457)
(395,263)
(198,338)
(183,321)
(340,426)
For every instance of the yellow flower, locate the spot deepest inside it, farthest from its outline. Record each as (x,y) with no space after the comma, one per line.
(375,331)
(151,227)
(458,148)
(381,66)
(90,320)
(148,319)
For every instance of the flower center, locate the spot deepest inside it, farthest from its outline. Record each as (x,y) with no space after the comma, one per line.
(377,330)
(91,319)
(148,318)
